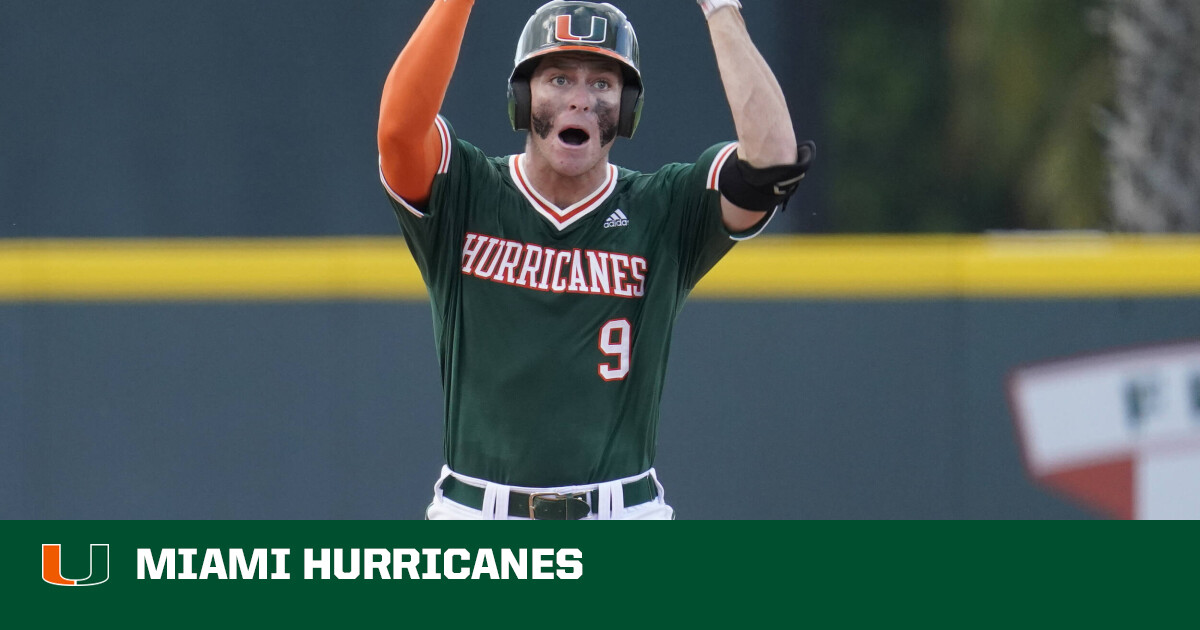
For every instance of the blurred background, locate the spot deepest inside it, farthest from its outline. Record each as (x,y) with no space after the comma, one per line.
(183,135)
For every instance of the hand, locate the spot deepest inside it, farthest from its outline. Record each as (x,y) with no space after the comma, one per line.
(711,6)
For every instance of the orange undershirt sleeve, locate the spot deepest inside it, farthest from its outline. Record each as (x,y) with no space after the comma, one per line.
(410,148)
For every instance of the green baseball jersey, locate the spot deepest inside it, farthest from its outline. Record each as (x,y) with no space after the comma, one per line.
(553,325)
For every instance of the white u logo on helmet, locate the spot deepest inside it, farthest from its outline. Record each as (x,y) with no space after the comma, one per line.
(562,30)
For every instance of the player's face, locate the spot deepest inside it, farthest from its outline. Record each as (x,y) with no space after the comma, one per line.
(576,102)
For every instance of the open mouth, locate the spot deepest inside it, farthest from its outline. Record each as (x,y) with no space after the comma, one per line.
(573,136)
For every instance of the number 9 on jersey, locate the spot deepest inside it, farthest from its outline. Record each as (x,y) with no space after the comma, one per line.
(615,341)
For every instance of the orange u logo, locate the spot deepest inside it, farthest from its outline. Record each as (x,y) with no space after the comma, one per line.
(52,566)
(562,30)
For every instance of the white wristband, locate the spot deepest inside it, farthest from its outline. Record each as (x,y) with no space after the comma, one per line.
(710,6)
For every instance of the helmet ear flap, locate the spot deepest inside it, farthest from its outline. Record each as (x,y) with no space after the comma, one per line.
(631,110)
(519,103)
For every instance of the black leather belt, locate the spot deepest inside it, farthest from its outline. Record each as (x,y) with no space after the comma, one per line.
(549,505)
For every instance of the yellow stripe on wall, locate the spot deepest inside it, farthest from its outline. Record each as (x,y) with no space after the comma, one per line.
(778,267)
(208,269)
(1051,265)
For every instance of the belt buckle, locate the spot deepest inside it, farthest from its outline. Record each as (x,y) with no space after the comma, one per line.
(554,497)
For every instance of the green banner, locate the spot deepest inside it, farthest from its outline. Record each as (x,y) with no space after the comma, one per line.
(569,574)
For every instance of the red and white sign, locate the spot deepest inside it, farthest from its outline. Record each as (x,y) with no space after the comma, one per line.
(1119,431)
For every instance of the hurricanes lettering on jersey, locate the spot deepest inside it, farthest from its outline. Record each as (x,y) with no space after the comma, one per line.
(560,271)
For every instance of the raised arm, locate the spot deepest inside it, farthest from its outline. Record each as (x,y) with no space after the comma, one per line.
(760,113)
(410,146)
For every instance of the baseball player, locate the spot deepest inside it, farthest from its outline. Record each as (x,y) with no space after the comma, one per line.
(555,277)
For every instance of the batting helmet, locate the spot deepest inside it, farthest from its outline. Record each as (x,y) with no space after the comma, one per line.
(572,26)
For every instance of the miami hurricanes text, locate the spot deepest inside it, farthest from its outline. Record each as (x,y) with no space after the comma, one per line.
(547,269)
(357,563)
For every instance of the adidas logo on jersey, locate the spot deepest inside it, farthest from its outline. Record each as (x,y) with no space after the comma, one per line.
(617,219)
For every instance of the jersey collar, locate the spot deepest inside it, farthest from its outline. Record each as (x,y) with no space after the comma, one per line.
(560,218)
